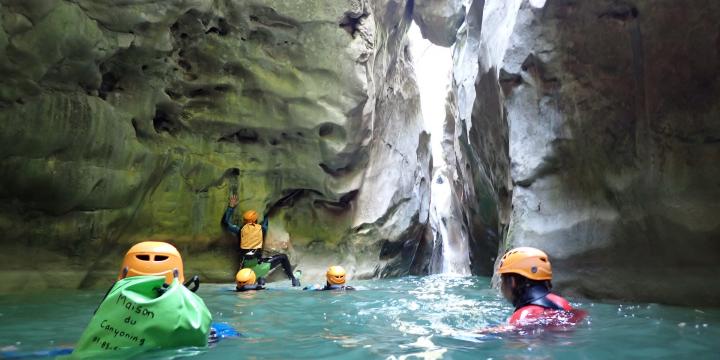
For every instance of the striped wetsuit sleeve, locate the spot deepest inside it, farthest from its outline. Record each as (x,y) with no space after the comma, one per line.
(226,221)
(264,225)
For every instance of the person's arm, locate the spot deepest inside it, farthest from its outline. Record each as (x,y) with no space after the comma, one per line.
(264,225)
(193,284)
(226,221)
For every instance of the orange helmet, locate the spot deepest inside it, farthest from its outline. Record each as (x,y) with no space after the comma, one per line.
(152,258)
(528,262)
(245,277)
(250,216)
(335,275)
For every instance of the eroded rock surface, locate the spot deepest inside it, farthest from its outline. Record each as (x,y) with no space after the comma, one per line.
(125,121)
(475,142)
(610,113)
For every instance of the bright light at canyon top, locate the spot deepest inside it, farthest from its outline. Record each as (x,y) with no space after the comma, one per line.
(433,65)
(433,69)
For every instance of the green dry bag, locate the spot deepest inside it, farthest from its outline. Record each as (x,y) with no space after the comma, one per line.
(135,315)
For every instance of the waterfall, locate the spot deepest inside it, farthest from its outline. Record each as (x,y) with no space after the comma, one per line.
(448,233)
(433,66)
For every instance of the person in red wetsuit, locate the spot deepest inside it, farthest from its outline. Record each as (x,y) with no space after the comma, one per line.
(526,277)
(526,274)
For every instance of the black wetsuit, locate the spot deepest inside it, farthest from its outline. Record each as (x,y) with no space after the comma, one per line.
(253,287)
(337,287)
(246,254)
(331,287)
(538,295)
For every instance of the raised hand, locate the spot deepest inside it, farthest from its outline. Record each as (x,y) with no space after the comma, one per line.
(233,201)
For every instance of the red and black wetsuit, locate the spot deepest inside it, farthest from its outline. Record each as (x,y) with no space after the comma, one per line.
(538,304)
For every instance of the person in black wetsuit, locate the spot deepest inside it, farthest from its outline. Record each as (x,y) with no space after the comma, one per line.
(251,236)
(335,276)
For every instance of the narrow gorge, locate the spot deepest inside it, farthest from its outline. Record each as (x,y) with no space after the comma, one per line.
(589,129)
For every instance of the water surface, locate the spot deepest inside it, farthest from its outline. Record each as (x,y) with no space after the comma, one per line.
(408,318)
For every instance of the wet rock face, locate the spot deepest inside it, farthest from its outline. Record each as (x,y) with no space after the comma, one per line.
(130,121)
(475,141)
(611,111)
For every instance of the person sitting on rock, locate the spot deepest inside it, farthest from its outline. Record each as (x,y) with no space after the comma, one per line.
(335,276)
(245,280)
(251,236)
(526,277)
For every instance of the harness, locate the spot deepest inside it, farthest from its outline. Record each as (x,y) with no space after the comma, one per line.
(253,259)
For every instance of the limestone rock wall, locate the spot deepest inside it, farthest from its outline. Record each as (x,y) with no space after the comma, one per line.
(125,121)
(609,111)
(475,141)
(439,20)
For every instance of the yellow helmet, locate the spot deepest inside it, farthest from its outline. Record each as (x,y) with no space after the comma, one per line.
(153,258)
(529,262)
(245,277)
(250,216)
(335,275)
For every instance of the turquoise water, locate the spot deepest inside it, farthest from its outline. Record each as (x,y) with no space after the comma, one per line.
(408,318)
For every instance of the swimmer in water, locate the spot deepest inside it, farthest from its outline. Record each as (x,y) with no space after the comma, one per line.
(156,310)
(526,277)
(156,258)
(245,280)
(335,276)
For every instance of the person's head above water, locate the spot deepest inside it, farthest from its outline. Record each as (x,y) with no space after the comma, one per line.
(153,258)
(522,268)
(526,276)
(335,275)
(250,217)
(245,277)
(529,262)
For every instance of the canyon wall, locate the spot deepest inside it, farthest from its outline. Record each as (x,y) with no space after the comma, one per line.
(127,121)
(593,132)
